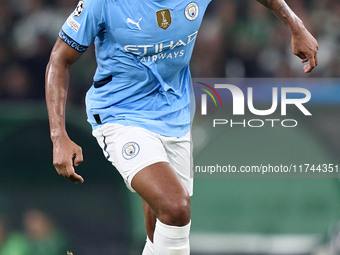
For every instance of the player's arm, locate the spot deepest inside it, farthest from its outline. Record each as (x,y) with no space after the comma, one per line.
(303,43)
(56,86)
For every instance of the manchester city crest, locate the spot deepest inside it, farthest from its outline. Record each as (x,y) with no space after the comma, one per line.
(79,9)
(130,150)
(191,11)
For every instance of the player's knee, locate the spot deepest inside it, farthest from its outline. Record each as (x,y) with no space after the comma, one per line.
(176,212)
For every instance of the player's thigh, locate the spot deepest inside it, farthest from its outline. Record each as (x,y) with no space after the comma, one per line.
(160,186)
(130,149)
(140,157)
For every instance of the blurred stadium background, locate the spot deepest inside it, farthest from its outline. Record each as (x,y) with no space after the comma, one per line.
(42,213)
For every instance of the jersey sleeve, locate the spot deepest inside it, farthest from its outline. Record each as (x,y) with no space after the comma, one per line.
(83,25)
(207,2)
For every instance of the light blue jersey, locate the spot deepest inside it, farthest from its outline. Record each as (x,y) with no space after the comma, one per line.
(143,49)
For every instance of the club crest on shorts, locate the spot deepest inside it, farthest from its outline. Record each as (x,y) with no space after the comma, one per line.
(79,9)
(130,150)
(163,18)
(191,11)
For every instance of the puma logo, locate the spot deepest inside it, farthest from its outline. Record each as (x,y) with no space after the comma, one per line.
(128,20)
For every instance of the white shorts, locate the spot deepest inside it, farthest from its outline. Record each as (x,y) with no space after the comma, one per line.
(130,149)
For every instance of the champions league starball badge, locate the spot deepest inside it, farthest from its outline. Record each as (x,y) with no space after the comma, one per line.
(191,11)
(79,9)
(130,150)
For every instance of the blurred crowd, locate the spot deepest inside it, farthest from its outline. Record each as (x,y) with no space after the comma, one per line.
(38,236)
(238,38)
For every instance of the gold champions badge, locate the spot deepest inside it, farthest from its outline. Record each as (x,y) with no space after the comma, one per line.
(163,18)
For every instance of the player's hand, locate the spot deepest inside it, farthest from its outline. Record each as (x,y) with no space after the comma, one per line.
(305,46)
(66,154)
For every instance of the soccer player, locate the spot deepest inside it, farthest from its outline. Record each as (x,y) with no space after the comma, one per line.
(139,102)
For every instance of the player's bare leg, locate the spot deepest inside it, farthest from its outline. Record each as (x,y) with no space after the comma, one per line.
(150,224)
(150,220)
(161,188)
